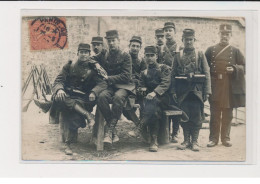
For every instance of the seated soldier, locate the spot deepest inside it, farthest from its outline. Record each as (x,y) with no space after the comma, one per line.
(155,82)
(75,91)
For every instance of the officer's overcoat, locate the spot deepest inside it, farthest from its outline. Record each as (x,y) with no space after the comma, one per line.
(227,89)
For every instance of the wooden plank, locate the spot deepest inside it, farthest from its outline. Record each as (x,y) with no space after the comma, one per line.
(99,119)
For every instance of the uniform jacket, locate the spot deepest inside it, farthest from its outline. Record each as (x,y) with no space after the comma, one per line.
(186,64)
(166,54)
(79,76)
(230,90)
(156,78)
(138,65)
(119,68)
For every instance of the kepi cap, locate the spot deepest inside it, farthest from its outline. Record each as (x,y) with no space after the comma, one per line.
(188,33)
(97,39)
(169,25)
(136,39)
(225,28)
(84,46)
(150,50)
(159,32)
(112,34)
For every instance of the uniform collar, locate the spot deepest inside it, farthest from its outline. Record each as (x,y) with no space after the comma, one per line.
(170,42)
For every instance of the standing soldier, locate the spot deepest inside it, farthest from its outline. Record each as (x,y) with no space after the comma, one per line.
(97,44)
(75,91)
(191,83)
(155,83)
(118,65)
(159,37)
(227,67)
(167,57)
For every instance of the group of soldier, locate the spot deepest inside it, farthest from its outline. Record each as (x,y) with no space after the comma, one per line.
(166,78)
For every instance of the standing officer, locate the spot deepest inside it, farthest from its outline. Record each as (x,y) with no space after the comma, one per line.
(155,83)
(97,44)
(191,83)
(118,65)
(75,91)
(227,67)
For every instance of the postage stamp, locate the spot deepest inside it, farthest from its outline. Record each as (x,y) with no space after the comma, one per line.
(48,33)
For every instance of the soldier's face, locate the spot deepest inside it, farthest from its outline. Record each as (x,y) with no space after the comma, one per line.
(97,47)
(188,42)
(225,37)
(159,39)
(83,55)
(113,44)
(150,58)
(169,33)
(135,47)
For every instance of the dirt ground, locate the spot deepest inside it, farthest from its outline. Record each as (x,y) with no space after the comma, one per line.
(41,142)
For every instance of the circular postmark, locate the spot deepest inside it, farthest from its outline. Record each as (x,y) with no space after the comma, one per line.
(48,33)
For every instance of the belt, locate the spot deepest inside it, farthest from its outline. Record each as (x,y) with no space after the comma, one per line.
(217,75)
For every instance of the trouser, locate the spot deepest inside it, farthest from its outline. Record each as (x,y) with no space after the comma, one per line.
(69,119)
(115,96)
(220,123)
(175,125)
(152,112)
(192,107)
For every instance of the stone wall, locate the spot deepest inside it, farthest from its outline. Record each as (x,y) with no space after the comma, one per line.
(81,29)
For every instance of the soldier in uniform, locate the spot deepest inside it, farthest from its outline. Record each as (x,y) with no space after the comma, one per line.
(167,57)
(191,83)
(97,44)
(155,83)
(138,65)
(118,65)
(227,67)
(159,37)
(75,91)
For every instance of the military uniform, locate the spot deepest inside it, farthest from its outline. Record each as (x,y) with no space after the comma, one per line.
(77,80)
(118,65)
(189,91)
(228,90)
(166,56)
(156,78)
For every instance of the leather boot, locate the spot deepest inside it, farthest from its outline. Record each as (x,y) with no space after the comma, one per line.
(68,150)
(79,109)
(186,143)
(154,144)
(115,137)
(108,135)
(195,136)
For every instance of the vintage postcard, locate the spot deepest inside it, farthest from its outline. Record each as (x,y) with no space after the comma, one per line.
(133,88)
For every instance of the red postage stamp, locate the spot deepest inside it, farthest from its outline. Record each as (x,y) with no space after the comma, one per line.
(48,33)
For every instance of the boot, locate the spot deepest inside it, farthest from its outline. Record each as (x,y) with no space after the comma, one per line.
(79,109)
(115,137)
(68,150)
(195,135)
(154,144)
(186,143)
(108,135)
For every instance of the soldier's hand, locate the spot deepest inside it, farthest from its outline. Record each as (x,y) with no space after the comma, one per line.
(205,97)
(60,96)
(174,97)
(92,97)
(151,95)
(230,69)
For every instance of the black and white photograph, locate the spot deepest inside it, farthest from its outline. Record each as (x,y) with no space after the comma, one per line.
(133,88)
